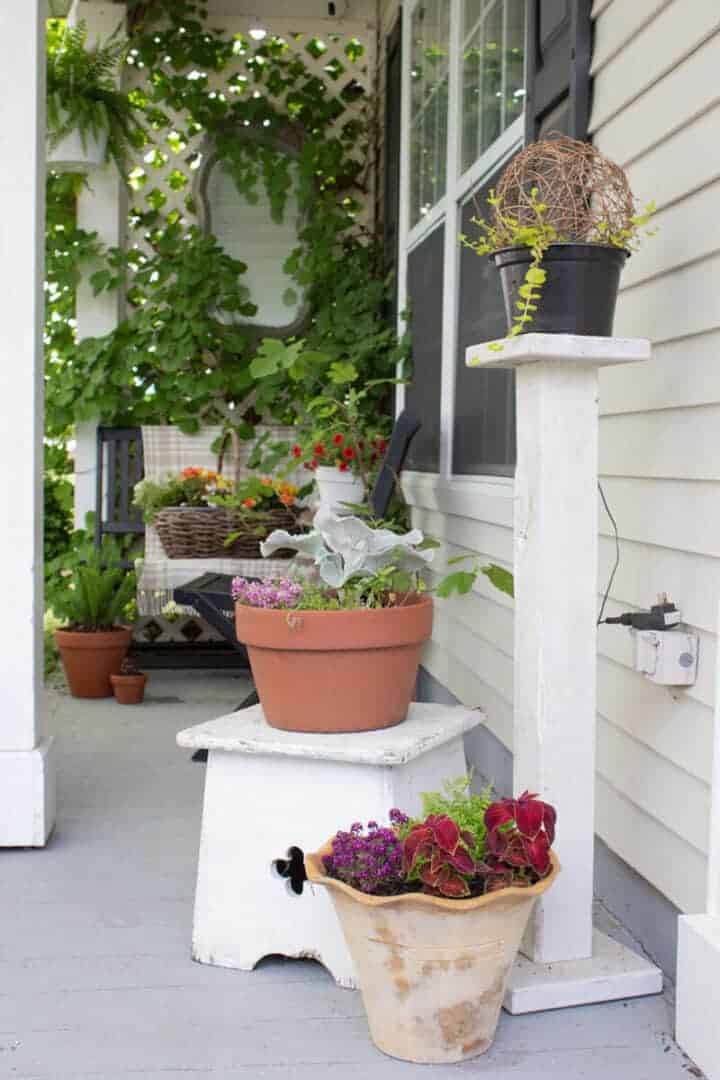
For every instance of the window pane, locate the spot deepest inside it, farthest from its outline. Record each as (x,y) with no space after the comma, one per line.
(484,433)
(493,72)
(430,34)
(425,299)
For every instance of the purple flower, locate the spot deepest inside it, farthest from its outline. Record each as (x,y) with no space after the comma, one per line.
(273,593)
(371,862)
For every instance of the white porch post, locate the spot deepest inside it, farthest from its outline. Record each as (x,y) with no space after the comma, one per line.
(555,556)
(26,769)
(100,209)
(698,957)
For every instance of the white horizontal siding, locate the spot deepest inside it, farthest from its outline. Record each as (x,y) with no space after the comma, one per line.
(656,109)
(675,31)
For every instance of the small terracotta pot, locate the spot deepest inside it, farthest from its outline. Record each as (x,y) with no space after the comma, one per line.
(128,689)
(333,671)
(433,972)
(91,657)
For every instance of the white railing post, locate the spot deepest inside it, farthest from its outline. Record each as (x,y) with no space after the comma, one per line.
(27,800)
(698,956)
(555,564)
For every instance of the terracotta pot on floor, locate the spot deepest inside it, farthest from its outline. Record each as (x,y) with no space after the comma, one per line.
(334,671)
(433,972)
(91,657)
(128,689)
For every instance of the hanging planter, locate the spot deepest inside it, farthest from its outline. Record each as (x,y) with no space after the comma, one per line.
(562,224)
(77,151)
(336,488)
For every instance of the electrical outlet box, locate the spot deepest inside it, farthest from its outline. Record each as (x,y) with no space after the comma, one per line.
(666,657)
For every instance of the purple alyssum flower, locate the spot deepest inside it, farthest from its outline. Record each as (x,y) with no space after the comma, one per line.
(369,861)
(273,593)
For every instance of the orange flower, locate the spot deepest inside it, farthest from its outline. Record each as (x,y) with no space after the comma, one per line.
(267,481)
(287,500)
(249,503)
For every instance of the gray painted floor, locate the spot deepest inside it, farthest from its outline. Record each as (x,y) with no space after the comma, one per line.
(96,978)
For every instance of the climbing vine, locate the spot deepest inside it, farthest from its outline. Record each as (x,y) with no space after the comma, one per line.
(183,353)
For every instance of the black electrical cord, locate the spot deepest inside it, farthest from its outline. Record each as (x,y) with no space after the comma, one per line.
(617,554)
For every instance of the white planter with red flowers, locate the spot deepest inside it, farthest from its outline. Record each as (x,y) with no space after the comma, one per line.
(336,487)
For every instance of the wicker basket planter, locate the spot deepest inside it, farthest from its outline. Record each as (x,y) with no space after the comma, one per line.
(200,532)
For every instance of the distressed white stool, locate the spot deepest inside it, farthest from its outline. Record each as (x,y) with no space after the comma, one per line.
(272,795)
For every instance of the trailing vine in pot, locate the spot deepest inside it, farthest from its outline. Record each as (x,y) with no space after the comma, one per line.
(563,221)
(457,883)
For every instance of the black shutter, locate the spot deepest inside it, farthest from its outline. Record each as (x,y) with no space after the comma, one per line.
(391,141)
(559,47)
(425,299)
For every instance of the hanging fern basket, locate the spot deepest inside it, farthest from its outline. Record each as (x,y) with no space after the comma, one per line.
(580,290)
(76,151)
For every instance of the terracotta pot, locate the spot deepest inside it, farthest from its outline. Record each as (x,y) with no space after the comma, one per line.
(91,657)
(332,671)
(433,972)
(335,488)
(128,689)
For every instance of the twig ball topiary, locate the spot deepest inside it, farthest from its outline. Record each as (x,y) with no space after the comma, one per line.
(587,196)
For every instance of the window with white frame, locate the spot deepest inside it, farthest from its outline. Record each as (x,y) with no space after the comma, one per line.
(464,77)
(429,81)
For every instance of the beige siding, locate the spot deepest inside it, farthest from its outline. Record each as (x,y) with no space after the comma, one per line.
(656,109)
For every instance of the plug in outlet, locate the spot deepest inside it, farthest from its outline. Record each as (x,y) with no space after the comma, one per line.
(666,657)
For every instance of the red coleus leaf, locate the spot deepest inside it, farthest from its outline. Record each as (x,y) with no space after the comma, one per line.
(451,884)
(428,876)
(538,853)
(549,821)
(529,815)
(418,842)
(445,832)
(462,860)
(499,813)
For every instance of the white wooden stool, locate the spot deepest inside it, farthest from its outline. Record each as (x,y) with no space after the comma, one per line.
(271,795)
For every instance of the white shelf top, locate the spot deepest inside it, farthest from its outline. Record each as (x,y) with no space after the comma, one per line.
(247,732)
(570,348)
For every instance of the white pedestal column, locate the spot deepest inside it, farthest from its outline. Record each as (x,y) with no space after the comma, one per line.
(27,807)
(555,557)
(698,958)
(100,209)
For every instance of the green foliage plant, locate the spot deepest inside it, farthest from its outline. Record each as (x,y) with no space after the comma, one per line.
(465,807)
(83,95)
(183,353)
(96,593)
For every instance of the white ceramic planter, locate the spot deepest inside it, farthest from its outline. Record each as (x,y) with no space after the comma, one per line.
(433,972)
(70,155)
(335,488)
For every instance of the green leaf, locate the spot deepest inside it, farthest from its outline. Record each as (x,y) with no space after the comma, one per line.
(501,578)
(460,582)
(536,276)
(341,373)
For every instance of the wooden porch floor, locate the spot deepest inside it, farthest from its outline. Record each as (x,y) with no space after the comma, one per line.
(96,978)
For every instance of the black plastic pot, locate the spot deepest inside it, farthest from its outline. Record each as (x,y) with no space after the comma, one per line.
(579,294)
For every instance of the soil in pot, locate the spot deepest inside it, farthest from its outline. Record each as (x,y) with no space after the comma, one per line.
(433,972)
(335,671)
(90,657)
(128,689)
(579,294)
